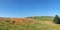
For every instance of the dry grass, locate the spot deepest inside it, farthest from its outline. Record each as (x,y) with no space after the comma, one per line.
(27,24)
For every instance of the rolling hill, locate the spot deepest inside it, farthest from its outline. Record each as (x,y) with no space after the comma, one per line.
(42,17)
(29,23)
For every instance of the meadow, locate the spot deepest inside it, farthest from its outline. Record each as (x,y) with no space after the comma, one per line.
(29,23)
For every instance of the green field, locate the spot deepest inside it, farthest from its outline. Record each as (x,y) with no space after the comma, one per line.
(44,18)
(40,23)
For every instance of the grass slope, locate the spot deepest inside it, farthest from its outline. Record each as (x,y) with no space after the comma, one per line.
(27,24)
(42,17)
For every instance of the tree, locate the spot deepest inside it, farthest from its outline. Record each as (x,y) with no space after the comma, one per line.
(56,19)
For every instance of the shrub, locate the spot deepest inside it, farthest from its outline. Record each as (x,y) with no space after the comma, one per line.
(13,22)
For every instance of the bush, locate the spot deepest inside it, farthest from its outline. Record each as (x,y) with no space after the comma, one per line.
(13,22)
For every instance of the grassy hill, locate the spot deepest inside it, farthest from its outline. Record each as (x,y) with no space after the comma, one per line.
(28,23)
(42,17)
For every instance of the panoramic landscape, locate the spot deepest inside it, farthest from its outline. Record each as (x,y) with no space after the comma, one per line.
(29,14)
(29,23)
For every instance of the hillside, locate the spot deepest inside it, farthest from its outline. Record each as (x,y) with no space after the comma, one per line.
(28,24)
(42,17)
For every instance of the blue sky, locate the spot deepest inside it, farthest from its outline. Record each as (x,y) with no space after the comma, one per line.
(25,8)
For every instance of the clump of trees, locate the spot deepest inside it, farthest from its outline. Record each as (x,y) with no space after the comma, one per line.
(57,19)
